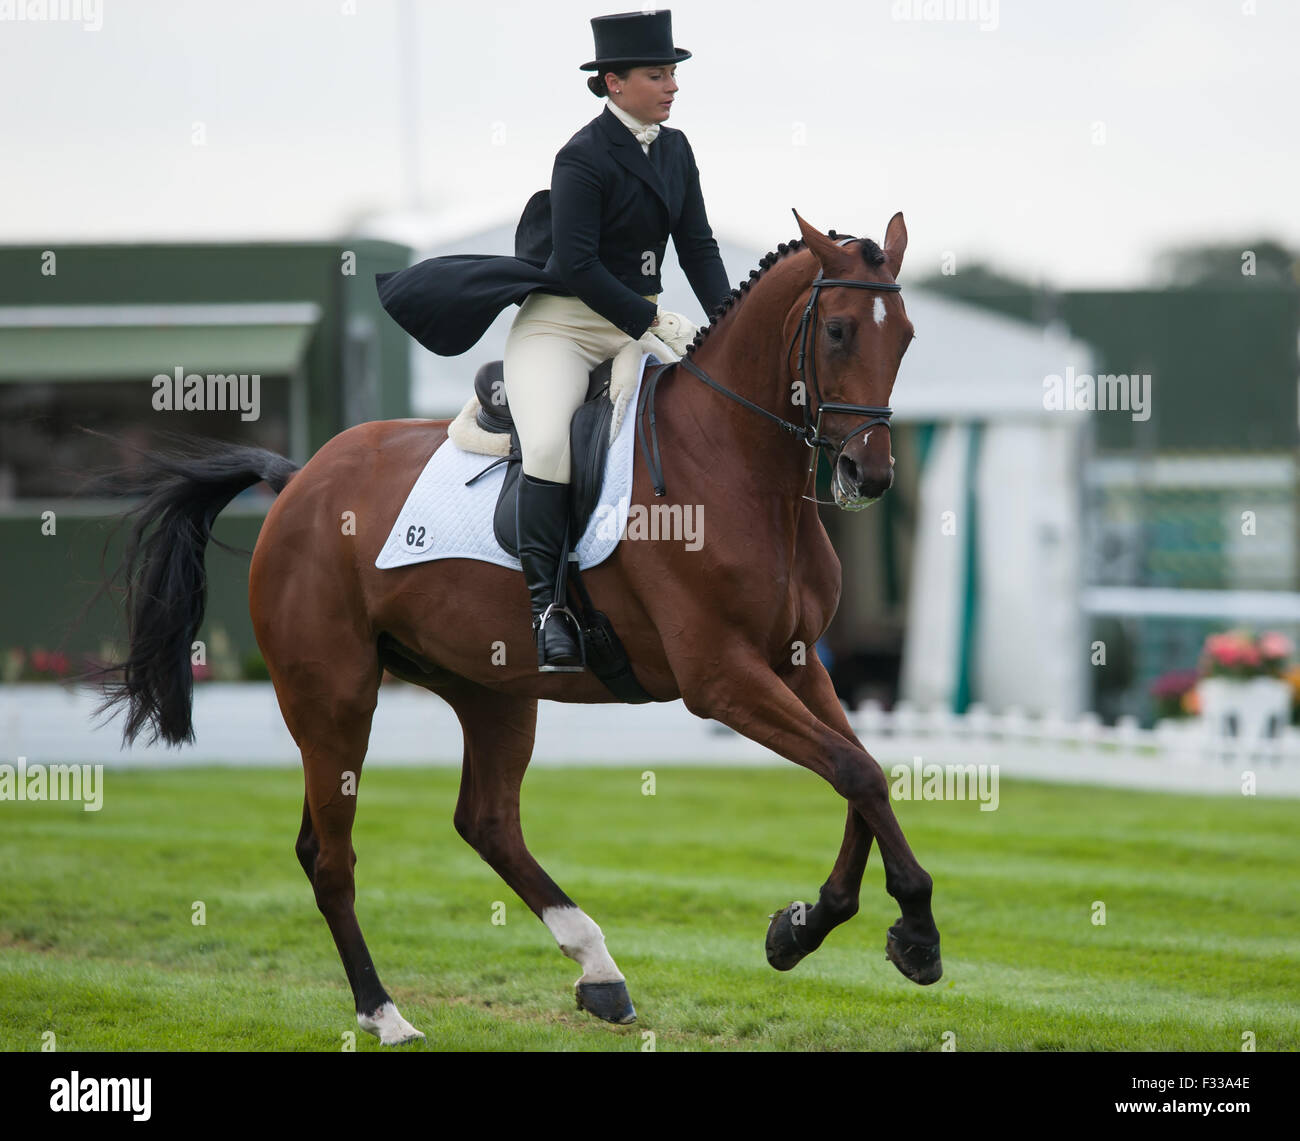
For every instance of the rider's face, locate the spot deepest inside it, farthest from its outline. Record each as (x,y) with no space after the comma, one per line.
(646,93)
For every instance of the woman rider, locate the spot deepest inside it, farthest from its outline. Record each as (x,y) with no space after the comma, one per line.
(619,188)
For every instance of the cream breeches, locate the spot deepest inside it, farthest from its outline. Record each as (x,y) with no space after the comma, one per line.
(550,351)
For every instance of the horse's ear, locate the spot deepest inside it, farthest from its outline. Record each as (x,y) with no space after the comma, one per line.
(826,251)
(895,243)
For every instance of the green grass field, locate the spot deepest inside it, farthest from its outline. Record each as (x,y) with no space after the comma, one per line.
(1201,943)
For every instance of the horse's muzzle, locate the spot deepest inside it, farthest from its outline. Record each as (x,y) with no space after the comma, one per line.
(852,489)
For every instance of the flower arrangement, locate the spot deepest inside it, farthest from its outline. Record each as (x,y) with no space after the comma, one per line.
(1241,654)
(35,665)
(216,662)
(1243,691)
(1174,694)
(1292,678)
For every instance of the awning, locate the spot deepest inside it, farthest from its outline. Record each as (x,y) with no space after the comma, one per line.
(125,353)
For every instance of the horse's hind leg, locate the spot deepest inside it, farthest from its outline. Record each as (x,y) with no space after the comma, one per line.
(328,710)
(499,733)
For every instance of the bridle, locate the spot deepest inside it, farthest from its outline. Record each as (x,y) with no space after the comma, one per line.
(811,429)
(877,414)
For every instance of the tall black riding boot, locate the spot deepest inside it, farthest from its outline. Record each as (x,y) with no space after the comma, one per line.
(541,519)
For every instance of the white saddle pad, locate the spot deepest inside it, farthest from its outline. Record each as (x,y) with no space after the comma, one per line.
(444,519)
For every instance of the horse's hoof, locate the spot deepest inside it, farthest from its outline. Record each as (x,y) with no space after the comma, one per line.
(783,950)
(609,1001)
(388,1026)
(920,962)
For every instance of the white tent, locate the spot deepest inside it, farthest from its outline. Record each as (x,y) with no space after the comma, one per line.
(993,609)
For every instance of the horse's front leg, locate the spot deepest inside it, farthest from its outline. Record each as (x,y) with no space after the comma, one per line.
(748,696)
(798,929)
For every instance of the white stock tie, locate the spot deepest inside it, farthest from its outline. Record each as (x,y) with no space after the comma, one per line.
(647,134)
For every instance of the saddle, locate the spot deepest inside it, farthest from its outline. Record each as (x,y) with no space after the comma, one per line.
(589,439)
(588,446)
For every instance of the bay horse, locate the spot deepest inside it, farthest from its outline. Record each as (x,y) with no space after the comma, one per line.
(726,627)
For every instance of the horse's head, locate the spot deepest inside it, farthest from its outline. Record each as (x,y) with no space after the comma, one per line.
(854,343)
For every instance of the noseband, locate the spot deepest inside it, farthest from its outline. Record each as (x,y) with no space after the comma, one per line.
(811,430)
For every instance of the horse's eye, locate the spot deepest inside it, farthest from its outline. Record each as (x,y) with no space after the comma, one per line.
(835,332)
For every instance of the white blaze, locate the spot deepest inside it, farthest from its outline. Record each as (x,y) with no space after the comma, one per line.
(878,311)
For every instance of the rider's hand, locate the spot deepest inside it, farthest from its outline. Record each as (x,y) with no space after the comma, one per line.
(674,330)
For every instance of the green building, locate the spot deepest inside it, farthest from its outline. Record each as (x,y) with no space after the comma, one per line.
(105,337)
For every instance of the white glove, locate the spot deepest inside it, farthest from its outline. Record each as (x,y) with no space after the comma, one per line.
(675,331)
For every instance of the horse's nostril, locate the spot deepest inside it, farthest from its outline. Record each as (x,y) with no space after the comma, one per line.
(875,485)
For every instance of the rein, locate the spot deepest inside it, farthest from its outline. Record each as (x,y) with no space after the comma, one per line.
(811,430)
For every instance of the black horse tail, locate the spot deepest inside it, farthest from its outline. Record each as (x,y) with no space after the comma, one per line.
(163,577)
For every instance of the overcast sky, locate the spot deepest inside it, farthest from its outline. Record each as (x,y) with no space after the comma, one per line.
(1068,141)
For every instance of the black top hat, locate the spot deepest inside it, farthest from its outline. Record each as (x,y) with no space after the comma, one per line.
(634,39)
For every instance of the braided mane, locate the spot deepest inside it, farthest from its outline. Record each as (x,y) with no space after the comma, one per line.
(871,253)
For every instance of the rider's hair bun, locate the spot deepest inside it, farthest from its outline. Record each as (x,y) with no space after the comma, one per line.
(596,83)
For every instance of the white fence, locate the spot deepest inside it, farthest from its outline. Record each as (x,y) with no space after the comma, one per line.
(240,724)
(1176,755)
